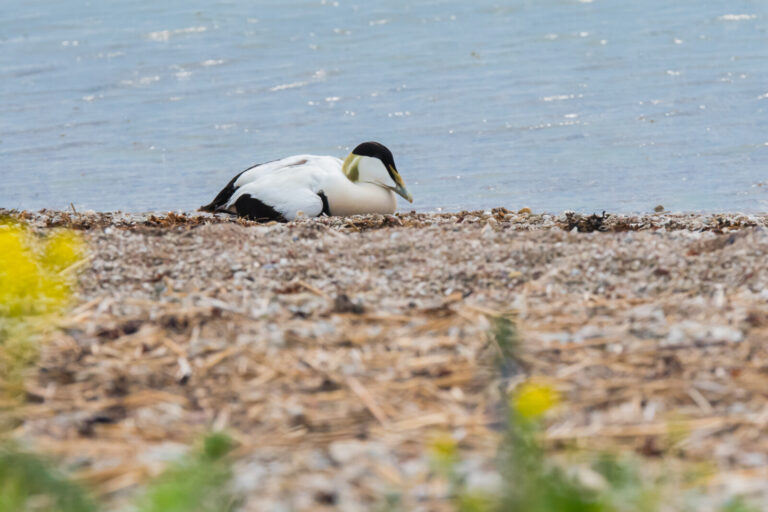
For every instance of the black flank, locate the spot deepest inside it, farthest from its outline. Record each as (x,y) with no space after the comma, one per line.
(326,207)
(252,208)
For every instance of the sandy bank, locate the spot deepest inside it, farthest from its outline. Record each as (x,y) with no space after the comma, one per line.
(333,348)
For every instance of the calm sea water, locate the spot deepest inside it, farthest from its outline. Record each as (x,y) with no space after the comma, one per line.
(551,104)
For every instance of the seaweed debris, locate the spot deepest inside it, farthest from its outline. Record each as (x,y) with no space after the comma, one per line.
(499,218)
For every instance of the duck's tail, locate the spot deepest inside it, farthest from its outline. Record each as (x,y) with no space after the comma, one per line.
(222,198)
(210,207)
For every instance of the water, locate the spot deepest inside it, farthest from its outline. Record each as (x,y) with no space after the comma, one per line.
(550,104)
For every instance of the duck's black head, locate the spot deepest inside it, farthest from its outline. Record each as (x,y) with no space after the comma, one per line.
(372,162)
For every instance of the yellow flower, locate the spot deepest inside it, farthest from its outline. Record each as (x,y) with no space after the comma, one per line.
(444,452)
(33,285)
(62,249)
(531,400)
(31,281)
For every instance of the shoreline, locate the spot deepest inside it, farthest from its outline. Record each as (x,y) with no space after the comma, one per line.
(499,217)
(334,349)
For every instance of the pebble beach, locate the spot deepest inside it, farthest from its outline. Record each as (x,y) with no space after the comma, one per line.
(333,350)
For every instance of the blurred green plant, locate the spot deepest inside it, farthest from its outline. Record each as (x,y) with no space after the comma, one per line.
(738,504)
(36,282)
(504,336)
(197,483)
(30,482)
(532,481)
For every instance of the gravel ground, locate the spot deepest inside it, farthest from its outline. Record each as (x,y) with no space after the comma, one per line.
(333,350)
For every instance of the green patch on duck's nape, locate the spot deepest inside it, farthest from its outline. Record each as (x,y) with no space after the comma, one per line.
(349,167)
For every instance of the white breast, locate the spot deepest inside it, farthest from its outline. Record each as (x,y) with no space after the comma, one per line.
(347,198)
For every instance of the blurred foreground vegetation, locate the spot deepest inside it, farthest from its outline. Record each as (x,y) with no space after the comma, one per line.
(196,483)
(533,481)
(36,279)
(37,276)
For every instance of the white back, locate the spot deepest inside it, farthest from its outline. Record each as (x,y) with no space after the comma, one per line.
(289,185)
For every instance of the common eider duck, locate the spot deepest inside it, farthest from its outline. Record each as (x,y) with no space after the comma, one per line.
(308,185)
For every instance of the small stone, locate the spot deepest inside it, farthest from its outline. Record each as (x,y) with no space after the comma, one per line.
(344,451)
